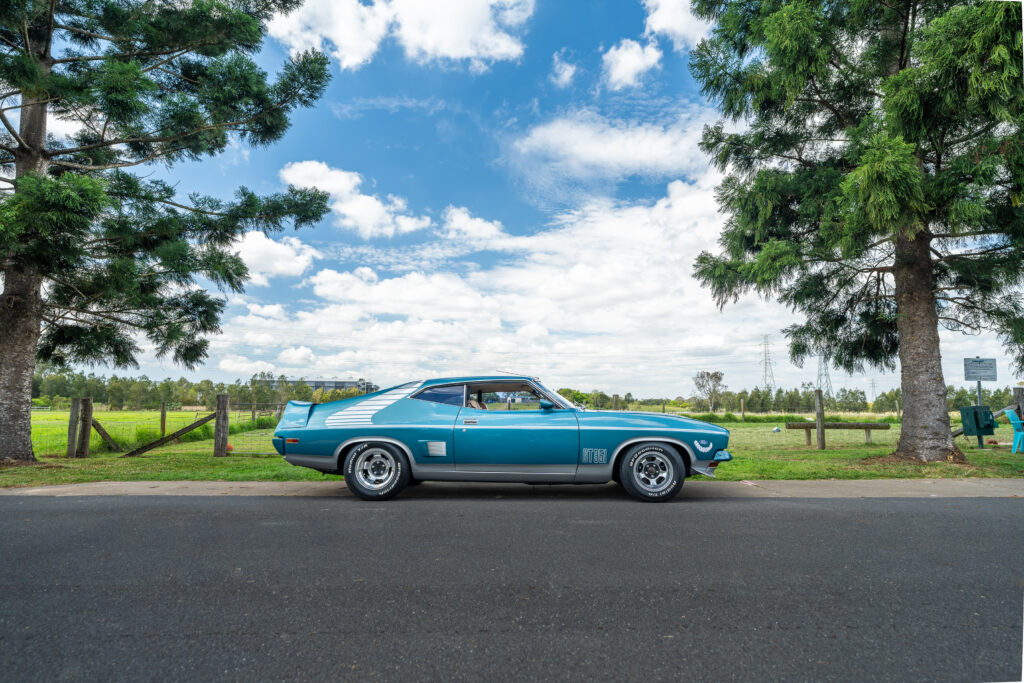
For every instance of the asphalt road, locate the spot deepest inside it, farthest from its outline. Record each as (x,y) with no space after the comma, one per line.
(510,581)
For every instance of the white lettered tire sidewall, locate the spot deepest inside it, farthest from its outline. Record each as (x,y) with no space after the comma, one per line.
(393,488)
(627,472)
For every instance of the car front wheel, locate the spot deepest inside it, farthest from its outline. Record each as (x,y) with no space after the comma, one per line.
(376,471)
(652,473)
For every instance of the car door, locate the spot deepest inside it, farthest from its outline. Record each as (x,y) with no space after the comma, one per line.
(514,436)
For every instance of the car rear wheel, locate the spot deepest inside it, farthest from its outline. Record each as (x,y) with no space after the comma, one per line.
(652,472)
(376,471)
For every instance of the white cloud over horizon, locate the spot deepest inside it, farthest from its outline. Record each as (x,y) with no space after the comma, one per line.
(477,31)
(601,296)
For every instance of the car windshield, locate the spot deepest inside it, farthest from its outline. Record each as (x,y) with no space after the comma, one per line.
(555,396)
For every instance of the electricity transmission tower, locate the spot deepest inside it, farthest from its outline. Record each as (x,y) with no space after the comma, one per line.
(873,390)
(769,376)
(824,381)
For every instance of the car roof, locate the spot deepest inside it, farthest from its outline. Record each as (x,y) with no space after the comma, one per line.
(477,378)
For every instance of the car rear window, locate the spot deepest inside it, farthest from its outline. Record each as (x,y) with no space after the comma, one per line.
(449,395)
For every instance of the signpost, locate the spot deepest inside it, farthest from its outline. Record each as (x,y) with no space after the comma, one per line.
(980,370)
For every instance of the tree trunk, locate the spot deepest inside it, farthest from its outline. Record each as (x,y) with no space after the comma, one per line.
(21,301)
(926,435)
(20,317)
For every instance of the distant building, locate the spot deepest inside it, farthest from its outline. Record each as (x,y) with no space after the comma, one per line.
(364,386)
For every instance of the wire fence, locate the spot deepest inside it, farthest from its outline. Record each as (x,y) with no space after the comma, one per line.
(250,428)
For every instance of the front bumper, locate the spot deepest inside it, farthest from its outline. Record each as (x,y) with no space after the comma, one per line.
(708,470)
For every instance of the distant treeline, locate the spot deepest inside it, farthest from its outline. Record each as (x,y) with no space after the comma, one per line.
(55,388)
(789,401)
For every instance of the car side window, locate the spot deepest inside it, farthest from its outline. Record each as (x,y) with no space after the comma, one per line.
(449,395)
(502,396)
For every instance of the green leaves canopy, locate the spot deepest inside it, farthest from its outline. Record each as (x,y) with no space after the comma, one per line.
(857,123)
(120,254)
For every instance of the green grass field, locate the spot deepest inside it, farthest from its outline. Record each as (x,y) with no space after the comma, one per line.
(132,428)
(759,454)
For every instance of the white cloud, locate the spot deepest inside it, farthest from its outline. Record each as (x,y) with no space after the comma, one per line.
(562,72)
(481,31)
(586,145)
(353,29)
(673,19)
(242,365)
(420,295)
(267,258)
(368,215)
(297,356)
(460,225)
(626,62)
(274,311)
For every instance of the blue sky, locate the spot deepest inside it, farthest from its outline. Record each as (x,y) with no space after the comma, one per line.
(515,185)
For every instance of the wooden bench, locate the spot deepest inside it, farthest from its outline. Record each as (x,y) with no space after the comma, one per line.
(866,426)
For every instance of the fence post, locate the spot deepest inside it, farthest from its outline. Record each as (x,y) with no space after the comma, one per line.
(280,410)
(743,411)
(220,429)
(253,417)
(163,419)
(819,418)
(663,407)
(76,404)
(84,429)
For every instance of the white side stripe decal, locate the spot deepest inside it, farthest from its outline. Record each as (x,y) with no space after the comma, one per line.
(362,413)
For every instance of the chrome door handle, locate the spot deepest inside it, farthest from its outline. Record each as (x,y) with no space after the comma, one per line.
(469,422)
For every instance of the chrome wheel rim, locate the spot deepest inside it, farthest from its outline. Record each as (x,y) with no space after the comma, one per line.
(653,472)
(375,468)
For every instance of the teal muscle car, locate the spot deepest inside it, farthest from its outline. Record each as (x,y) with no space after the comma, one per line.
(503,428)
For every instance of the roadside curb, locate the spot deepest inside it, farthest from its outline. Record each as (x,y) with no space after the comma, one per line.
(864,488)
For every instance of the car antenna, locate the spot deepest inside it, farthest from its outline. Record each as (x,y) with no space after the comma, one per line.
(517,374)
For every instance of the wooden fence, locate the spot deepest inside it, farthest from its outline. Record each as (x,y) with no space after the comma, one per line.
(81,422)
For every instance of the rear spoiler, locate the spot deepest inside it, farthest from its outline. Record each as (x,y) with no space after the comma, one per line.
(296,415)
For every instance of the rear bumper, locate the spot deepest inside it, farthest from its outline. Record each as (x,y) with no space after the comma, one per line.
(320,463)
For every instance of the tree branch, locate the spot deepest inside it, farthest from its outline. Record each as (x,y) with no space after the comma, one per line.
(83,32)
(10,129)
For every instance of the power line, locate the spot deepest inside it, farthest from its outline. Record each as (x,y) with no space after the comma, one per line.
(824,381)
(769,376)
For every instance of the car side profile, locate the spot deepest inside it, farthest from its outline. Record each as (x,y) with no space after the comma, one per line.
(494,429)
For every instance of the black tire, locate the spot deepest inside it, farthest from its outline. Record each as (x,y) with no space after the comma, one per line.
(652,472)
(376,471)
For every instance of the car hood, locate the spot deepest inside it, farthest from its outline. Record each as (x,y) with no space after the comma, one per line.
(636,419)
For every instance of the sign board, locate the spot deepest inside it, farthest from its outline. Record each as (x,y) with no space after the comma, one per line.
(980,369)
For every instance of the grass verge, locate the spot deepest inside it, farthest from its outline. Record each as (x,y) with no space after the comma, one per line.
(760,453)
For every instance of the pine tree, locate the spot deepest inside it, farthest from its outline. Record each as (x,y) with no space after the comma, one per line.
(877,185)
(96,257)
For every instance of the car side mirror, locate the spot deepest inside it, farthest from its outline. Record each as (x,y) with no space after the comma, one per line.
(546,404)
